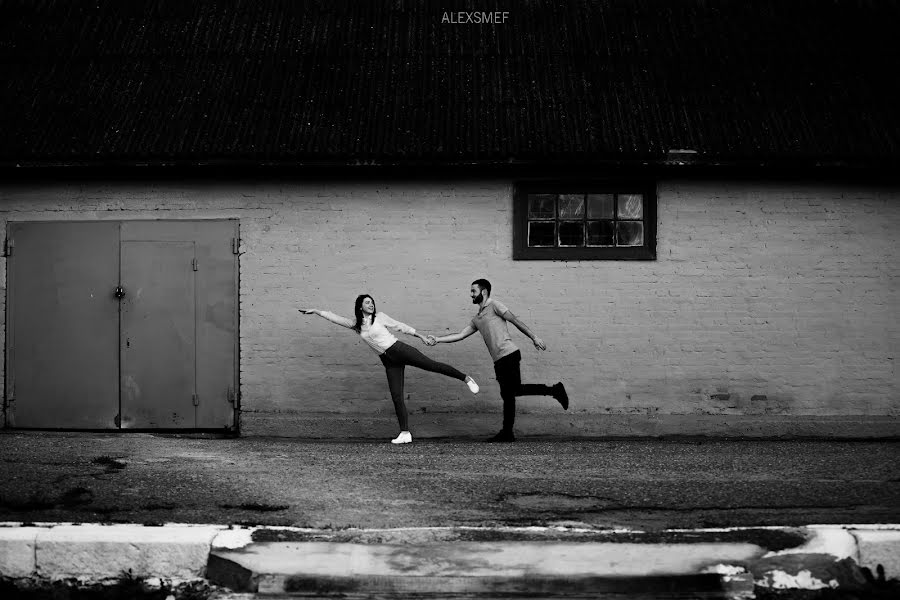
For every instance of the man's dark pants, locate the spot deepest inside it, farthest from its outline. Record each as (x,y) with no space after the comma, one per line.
(509,377)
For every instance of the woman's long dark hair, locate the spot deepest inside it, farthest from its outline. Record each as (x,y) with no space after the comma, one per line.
(357,309)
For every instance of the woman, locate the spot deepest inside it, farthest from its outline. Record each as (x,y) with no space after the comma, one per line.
(395,355)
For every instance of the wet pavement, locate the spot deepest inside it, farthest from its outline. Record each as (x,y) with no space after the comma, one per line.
(639,484)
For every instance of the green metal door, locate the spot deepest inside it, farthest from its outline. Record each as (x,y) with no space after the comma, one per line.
(158,340)
(129,324)
(215,338)
(63,325)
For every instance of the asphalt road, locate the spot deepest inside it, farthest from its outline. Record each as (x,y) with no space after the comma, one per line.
(640,484)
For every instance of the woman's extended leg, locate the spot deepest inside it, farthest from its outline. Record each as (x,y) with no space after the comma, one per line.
(406,354)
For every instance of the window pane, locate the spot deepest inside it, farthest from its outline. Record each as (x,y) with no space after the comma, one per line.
(631,206)
(571,206)
(601,233)
(541,206)
(571,233)
(541,233)
(630,233)
(600,206)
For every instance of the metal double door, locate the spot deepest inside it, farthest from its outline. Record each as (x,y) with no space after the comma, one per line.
(122,325)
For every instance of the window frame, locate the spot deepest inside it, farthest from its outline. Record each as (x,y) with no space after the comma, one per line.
(521,250)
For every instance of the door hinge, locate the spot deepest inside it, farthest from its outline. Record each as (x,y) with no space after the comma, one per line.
(196,399)
(235,245)
(230,396)
(8,247)
(194,263)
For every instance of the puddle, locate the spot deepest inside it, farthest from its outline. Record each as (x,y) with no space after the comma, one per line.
(109,462)
(256,506)
(558,502)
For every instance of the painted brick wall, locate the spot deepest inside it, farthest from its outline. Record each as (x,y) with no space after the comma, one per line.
(772,308)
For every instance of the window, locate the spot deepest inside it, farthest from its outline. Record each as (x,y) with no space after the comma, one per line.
(584,221)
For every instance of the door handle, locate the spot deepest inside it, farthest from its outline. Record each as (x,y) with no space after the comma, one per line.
(120,292)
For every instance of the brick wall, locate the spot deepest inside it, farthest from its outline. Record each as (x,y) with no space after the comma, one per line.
(772,308)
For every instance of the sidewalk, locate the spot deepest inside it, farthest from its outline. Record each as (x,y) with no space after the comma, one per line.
(732,563)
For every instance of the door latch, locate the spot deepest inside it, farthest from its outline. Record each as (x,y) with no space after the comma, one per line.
(120,292)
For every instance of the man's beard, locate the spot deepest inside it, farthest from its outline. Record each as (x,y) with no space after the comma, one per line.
(477,299)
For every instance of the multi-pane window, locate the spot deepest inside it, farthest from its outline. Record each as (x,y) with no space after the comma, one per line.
(576,220)
(587,223)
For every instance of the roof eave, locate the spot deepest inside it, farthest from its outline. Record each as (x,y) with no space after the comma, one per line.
(672,165)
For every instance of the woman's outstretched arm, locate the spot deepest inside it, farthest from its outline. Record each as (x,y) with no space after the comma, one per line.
(330,316)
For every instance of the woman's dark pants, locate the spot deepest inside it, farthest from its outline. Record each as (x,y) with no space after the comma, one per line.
(395,360)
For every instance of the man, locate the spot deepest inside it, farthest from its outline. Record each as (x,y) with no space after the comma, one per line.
(492,322)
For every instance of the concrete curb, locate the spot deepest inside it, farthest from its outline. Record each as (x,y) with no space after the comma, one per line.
(95,552)
(441,559)
(878,547)
(470,567)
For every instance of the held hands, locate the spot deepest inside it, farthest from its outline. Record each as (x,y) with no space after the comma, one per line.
(539,343)
(427,340)
(308,311)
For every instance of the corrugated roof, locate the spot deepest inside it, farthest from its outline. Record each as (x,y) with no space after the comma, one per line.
(369,80)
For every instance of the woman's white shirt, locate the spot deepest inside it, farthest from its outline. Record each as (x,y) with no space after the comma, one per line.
(376,333)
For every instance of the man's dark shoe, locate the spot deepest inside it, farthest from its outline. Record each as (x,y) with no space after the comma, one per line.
(502,437)
(559,392)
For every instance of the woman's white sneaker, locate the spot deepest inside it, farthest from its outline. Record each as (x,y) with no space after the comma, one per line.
(405,437)
(472,385)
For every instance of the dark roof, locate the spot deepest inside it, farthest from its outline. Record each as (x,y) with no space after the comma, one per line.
(388,82)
